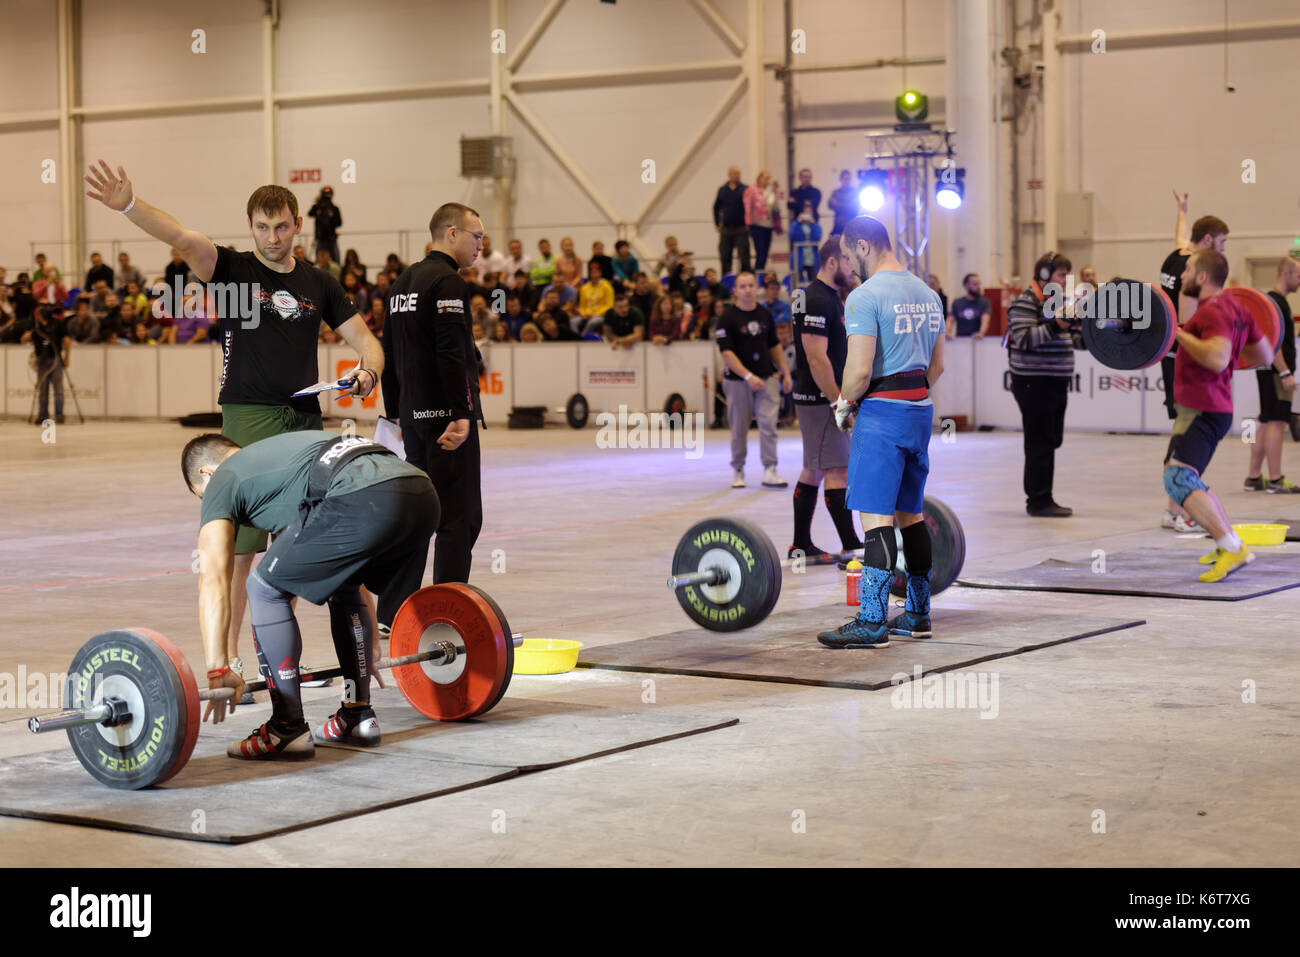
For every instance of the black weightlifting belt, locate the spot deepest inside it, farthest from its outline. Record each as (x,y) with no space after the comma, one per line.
(330,457)
(909,385)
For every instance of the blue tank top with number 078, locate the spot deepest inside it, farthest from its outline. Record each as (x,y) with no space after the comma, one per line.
(904,315)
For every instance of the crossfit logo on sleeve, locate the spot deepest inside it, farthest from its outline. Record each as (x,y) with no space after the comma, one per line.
(814,322)
(451,305)
(76,910)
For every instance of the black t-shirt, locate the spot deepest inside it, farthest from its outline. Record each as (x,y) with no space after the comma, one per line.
(822,315)
(1288,328)
(268,357)
(47,338)
(1171,281)
(751,336)
(643,303)
(97,273)
(968,311)
(173,270)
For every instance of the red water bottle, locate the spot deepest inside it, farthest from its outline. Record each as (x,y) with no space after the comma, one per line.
(854,569)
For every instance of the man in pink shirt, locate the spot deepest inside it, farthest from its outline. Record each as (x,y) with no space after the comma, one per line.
(1209,345)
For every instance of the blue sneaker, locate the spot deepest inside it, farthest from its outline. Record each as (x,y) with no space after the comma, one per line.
(857,633)
(914,620)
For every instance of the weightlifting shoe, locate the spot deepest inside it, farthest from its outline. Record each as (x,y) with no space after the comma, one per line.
(271,742)
(349,726)
(1282,485)
(1227,563)
(857,633)
(1256,484)
(1179,524)
(812,555)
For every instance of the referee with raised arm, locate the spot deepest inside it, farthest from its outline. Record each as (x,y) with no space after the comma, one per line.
(437,374)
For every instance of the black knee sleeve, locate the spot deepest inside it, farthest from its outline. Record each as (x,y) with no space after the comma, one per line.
(351,629)
(917,549)
(880,547)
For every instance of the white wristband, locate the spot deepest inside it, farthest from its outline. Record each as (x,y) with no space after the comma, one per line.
(129,206)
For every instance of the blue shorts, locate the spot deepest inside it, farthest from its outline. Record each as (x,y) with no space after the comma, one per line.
(889,458)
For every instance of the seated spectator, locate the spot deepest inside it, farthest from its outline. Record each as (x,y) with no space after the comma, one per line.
(326,262)
(394,266)
(351,261)
(50,291)
(18,319)
(126,273)
(568,267)
(567,296)
(503,333)
(778,307)
(138,300)
(7,305)
(380,288)
(704,301)
(521,287)
(352,287)
(551,306)
(97,271)
(495,284)
(375,316)
(683,309)
(489,260)
(472,287)
(530,333)
(479,333)
(622,325)
(191,326)
(643,295)
(98,299)
(176,269)
(664,327)
(667,263)
(542,272)
(83,327)
(110,323)
(129,316)
(517,261)
(686,281)
(515,316)
(553,331)
(45,272)
(595,297)
(717,288)
(626,268)
(140,336)
(606,264)
(300,254)
(479,312)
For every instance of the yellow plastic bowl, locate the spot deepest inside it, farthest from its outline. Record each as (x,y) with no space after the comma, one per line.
(1262,534)
(546,656)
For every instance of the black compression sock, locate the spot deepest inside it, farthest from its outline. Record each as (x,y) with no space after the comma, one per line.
(843,518)
(805,503)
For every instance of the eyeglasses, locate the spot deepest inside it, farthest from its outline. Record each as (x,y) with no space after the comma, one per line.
(478,236)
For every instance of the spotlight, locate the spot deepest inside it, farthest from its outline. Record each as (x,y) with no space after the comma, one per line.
(949,187)
(911,107)
(873,184)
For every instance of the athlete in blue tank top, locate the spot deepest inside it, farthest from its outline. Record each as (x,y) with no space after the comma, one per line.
(895,327)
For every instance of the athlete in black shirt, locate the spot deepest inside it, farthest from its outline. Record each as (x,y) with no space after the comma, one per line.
(437,377)
(821,346)
(270,307)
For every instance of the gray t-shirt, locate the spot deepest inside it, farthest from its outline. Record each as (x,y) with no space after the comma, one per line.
(263,484)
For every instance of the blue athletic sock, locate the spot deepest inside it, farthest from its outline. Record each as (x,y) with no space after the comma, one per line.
(918,594)
(873,594)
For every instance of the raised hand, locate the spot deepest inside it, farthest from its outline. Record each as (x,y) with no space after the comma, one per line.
(113,191)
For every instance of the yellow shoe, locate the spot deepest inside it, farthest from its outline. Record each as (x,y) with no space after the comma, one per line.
(1211,557)
(1227,563)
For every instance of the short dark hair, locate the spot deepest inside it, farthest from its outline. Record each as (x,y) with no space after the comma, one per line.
(967,278)
(830,249)
(868,229)
(641,275)
(270,200)
(1208,226)
(621,294)
(1055,260)
(448,215)
(1213,263)
(206,449)
(621,244)
(520,272)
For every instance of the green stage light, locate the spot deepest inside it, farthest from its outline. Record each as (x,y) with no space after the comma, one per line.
(911,107)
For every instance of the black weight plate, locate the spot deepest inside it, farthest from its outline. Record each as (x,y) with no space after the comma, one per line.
(751,557)
(150,746)
(510,645)
(1127,324)
(947,549)
(575,411)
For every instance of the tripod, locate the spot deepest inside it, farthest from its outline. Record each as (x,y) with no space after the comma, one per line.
(40,387)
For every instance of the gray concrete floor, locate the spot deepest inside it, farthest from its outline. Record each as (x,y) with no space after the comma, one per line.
(1146,725)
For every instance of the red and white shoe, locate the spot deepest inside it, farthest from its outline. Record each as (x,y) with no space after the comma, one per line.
(266,742)
(349,726)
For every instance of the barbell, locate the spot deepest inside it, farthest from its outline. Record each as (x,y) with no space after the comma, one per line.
(727,573)
(136,707)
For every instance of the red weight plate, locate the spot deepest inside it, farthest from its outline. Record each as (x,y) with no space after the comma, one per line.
(464,689)
(1163,296)
(1261,309)
(193,714)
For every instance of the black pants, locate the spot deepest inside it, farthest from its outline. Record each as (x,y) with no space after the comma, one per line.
(1042,401)
(733,238)
(1167,374)
(762,243)
(456,478)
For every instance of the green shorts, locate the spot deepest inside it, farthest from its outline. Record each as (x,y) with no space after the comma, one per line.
(247,424)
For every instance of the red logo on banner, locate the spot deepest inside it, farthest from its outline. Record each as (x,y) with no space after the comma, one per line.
(304,175)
